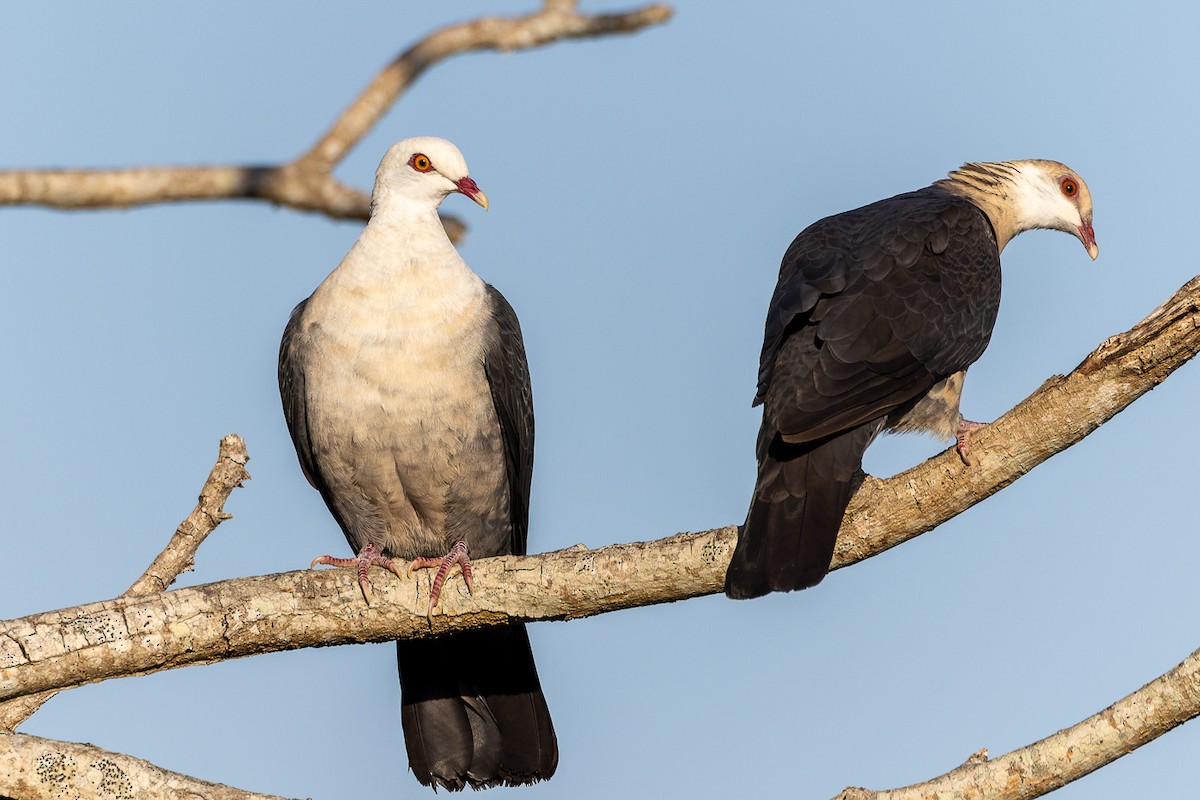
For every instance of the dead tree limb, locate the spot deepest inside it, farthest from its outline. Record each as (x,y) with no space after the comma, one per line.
(175,559)
(1049,764)
(137,635)
(231,619)
(307,183)
(32,768)
(1059,414)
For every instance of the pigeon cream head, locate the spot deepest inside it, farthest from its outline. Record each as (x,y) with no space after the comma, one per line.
(420,172)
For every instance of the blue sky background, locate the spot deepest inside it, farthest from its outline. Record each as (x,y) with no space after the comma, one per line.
(643,190)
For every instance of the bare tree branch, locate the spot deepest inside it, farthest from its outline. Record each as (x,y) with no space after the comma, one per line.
(130,636)
(234,618)
(307,183)
(32,768)
(556,21)
(1039,768)
(285,185)
(226,475)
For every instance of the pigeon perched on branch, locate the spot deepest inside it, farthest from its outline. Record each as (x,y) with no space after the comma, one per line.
(406,391)
(877,314)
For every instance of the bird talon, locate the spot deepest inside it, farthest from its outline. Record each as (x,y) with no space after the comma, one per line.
(457,555)
(333,561)
(465,568)
(369,556)
(963,440)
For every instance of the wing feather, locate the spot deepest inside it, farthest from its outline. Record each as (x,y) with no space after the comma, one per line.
(507,371)
(292,392)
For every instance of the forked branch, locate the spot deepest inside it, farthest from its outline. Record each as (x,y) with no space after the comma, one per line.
(307,183)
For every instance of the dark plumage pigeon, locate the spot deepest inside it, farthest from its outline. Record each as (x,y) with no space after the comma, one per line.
(406,391)
(877,315)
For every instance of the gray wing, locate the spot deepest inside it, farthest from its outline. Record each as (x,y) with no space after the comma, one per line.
(873,308)
(292,393)
(507,371)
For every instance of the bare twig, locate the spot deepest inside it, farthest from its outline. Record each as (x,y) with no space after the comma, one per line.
(176,558)
(1053,762)
(32,768)
(179,554)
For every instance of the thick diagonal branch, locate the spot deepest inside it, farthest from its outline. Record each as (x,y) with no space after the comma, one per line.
(1063,411)
(1049,764)
(129,636)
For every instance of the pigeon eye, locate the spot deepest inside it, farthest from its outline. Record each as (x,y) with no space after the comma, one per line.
(420,162)
(1069,187)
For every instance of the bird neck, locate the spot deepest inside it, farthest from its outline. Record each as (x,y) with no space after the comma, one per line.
(402,208)
(400,253)
(989,186)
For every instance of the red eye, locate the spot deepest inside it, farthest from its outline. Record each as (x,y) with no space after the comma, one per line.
(1069,186)
(420,162)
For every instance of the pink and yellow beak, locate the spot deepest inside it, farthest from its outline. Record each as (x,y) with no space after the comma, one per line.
(1087,235)
(471,189)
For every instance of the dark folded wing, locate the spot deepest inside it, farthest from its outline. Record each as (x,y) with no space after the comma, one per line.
(874,307)
(292,393)
(507,371)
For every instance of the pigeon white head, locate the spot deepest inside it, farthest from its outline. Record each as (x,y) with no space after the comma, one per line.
(421,172)
(1026,195)
(1049,195)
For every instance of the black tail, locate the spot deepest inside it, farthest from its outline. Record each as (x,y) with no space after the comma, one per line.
(473,712)
(802,492)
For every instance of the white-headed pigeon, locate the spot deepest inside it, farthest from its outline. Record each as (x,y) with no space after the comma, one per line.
(406,391)
(877,315)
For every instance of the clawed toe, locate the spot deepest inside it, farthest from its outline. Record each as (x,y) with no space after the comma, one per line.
(369,556)
(457,555)
(965,428)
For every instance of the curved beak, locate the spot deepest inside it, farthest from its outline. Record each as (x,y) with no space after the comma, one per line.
(1088,237)
(471,189)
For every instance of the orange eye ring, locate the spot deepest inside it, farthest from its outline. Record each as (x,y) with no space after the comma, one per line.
(421,163)
(1069,186)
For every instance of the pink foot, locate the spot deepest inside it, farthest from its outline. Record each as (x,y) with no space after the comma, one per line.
(457,555)
(965,428)
(369,556)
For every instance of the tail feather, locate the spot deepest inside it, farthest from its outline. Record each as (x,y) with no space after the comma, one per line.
(791,528)
(473,711)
